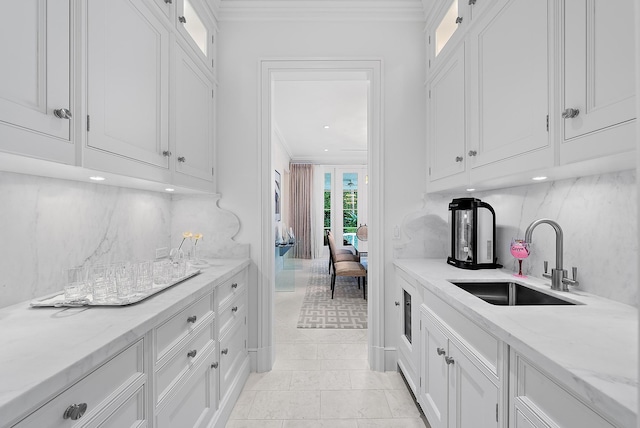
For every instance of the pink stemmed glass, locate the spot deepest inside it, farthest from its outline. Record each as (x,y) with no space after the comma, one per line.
(519,250)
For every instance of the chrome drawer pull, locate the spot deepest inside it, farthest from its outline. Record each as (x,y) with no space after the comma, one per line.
(192,319)
(192,353)
(75,411)
(440,351)
(449,360)
(234,285)
(234,309)
(214,365)
(62,113)
(225,351)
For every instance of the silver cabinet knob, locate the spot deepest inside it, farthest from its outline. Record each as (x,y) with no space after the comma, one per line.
(168,1)
(62,113)
(459,158)
(225,351)
(570,113)
(166,153)
(192,319)
(234,309)
(75,411)
(459,20)
(182,19)
(441,351)
(214,365)
(182,159)
(234,285)
(472,153)
(449,360)
(397,303)
(192,353)
(472,2)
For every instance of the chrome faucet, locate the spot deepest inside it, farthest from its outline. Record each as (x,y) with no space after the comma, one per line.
(558,276)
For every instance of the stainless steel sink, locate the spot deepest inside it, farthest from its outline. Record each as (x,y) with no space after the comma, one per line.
(509,293)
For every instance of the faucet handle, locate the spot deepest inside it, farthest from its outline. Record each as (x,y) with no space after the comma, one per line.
(574,274)
(546,266)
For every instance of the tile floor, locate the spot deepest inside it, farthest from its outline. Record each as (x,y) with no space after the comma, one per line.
(321,379)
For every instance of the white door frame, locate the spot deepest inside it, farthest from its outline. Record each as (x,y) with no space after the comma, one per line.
(375,144)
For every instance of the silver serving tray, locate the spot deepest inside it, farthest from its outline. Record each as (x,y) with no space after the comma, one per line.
(56,300)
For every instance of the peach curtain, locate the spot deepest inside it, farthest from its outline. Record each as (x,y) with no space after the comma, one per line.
(301,194)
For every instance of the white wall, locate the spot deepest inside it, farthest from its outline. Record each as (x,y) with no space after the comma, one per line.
(243,44)
(47,225)
(280,160)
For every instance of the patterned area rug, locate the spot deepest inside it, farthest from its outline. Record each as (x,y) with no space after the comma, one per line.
(347,309)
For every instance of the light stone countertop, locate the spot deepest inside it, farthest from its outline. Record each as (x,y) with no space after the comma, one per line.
(45,349)
(591,348)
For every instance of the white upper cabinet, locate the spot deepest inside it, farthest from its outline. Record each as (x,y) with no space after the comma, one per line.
(446,123)
(194,99)
(196,27)
(36,109)
(128,86)
(509,90)
(599,78)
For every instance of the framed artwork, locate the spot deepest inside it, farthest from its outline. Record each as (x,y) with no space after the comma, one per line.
(278,196)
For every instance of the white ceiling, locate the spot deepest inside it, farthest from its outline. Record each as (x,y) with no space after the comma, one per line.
(303,105)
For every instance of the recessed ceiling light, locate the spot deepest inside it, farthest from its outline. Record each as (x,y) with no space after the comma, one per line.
(169,189)
(326,127)
(97,178)
(471,190)
(540,178)
(326,150)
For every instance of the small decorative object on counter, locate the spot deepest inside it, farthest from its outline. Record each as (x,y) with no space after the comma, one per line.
(520,250)
(178,263)
(77,284)
(195,260)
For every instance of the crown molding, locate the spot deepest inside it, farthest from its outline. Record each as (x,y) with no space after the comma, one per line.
(319,10)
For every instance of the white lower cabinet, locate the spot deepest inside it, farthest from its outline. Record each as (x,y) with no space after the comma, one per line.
(539,401)
(185,372)
(194,401)
(457,389)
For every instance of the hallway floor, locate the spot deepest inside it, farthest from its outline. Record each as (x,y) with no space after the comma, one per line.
(321,379)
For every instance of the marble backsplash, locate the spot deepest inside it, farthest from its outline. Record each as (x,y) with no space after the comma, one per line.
(48,225)
(597,214)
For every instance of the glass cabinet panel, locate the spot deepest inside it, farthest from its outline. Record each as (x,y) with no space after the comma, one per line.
(447,27)
(194,27)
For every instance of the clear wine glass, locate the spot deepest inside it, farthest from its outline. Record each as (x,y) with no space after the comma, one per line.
(520,250)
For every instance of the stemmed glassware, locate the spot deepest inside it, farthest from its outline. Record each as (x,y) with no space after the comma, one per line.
(520,250)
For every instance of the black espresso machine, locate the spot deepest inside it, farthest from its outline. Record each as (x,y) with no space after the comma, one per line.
(473,234)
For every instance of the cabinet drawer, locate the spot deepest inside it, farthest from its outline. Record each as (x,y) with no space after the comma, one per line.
(232,353)
(95,390)
(231,288)
(537,393)
(235,311)
(131,413)
(181,363)
(193,403)
(177,327)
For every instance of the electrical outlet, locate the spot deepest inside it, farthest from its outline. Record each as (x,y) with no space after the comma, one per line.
(161,253)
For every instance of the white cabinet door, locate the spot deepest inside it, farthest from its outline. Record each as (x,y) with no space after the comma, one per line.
(35,46)
(434,393)
(473,398)
(128,86)
(446,122)
(599,74)
(194,403)
(194,98)
(509,95)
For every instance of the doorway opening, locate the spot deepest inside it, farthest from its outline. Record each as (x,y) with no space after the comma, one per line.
(345,194)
